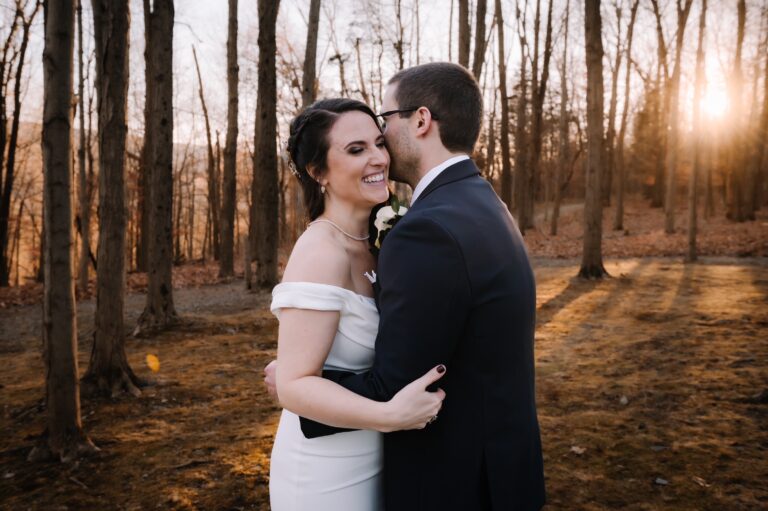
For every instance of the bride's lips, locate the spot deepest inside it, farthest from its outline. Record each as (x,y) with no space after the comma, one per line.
(375,179)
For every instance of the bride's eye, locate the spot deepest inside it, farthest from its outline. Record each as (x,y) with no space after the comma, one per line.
(380,144)
(355,150)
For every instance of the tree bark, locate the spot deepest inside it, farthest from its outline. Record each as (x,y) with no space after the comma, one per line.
(464,33)
(674,92)
(506,168)
(592,257)
(479,56)
(227,260)
(83,188)
(159,310)
(735,180)
(620,164)
(108,370)
(698,130)
(64,438)
(148,147)
(308,88)
(264,210)
(564,131)
(761,153)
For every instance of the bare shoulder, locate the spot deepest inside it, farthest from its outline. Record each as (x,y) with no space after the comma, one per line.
(318,257)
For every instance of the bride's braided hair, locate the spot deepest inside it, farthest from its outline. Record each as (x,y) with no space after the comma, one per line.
(308,145)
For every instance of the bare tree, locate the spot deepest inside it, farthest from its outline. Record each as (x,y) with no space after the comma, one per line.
(108,370)
(699,143)
(761,150)
(564,125)
(148,147)
(213,230)
(538,93)
(6,184)
(159,310)
(64,437)
(610,138)
(736,183)
(521,138)
(662,107)
(674,94)
(308,79)
(264,210)
(592,256)
(479,58)
(226,261)
(506,170)
(620,164)
(464,33)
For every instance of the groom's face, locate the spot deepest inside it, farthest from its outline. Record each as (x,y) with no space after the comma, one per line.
(404,156)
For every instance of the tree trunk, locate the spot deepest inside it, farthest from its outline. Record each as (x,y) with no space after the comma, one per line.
(148,148)
(620,164)
(564,132)
(662,110)
(213,203)
(592,257)
(264,210)
(64,436)
(227,261)
(108,371)
(538,93)
(610,150)
(464,33)
(159,310)
(7,184)
(674,92)
(83,188)
(698,130)
(506,170)
(761,153)
(308,78)
(521,139)
(735,180)
(479,58)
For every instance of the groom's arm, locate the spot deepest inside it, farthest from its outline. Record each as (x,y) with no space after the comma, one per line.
(424,302)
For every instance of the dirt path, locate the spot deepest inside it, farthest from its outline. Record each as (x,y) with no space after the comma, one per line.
(648,389)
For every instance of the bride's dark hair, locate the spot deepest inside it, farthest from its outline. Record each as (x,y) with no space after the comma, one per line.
(308,145)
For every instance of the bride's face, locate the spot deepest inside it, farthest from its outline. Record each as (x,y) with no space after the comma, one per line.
(357,161)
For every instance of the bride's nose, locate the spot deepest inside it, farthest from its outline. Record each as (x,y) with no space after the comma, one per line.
(380,157)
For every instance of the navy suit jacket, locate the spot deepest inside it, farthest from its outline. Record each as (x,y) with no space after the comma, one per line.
(456,288)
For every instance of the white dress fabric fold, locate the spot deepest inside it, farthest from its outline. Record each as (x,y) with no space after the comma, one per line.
(341,471)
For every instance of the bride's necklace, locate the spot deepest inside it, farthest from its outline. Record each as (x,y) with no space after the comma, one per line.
(342,231)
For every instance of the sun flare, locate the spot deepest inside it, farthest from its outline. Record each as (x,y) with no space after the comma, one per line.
(715,103)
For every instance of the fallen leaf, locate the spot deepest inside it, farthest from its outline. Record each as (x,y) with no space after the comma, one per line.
(578,450)
(153,362)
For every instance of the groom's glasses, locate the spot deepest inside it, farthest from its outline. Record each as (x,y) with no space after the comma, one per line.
(384,115)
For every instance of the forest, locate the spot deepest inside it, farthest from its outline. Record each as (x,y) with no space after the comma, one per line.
(147,209)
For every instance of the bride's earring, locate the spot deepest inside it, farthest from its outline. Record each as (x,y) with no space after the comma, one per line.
(322,189)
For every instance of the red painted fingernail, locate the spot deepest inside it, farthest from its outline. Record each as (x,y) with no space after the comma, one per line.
(441,369)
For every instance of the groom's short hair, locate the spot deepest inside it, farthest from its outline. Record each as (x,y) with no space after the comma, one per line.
(451,94)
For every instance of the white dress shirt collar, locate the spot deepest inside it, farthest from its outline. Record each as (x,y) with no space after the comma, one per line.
(432,174)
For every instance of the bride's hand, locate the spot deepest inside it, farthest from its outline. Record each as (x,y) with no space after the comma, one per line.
(414,407)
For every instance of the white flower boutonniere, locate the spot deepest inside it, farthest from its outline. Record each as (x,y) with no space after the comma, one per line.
(385,220)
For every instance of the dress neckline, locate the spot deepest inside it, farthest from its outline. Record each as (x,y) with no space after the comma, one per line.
(369,298)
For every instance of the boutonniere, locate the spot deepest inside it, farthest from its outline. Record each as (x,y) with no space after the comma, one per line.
(385,217)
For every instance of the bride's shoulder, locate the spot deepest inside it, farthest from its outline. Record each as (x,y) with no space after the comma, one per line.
(317,257)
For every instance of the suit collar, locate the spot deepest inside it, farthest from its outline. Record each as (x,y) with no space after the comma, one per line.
(456,172)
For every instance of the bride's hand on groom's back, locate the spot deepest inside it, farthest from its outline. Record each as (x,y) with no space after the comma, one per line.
(414,407)
(270,379)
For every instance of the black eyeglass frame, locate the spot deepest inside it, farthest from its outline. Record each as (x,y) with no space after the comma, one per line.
(384,115)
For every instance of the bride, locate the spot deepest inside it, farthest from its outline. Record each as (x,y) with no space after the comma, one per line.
(328,320)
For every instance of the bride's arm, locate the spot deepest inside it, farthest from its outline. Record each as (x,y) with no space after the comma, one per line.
(304,341)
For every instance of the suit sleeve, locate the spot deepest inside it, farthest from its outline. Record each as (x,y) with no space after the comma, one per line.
(424,302)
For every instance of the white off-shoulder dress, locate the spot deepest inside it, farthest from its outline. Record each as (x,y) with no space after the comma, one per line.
(341,471)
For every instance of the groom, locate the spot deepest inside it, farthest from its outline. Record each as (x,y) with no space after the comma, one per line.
(455,287)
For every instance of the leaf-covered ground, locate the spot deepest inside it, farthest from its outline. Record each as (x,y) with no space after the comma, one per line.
(652,392)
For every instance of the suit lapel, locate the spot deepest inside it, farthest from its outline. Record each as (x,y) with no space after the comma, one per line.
(456,172)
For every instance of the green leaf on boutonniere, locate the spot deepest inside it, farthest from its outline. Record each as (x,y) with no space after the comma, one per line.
(395,203)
